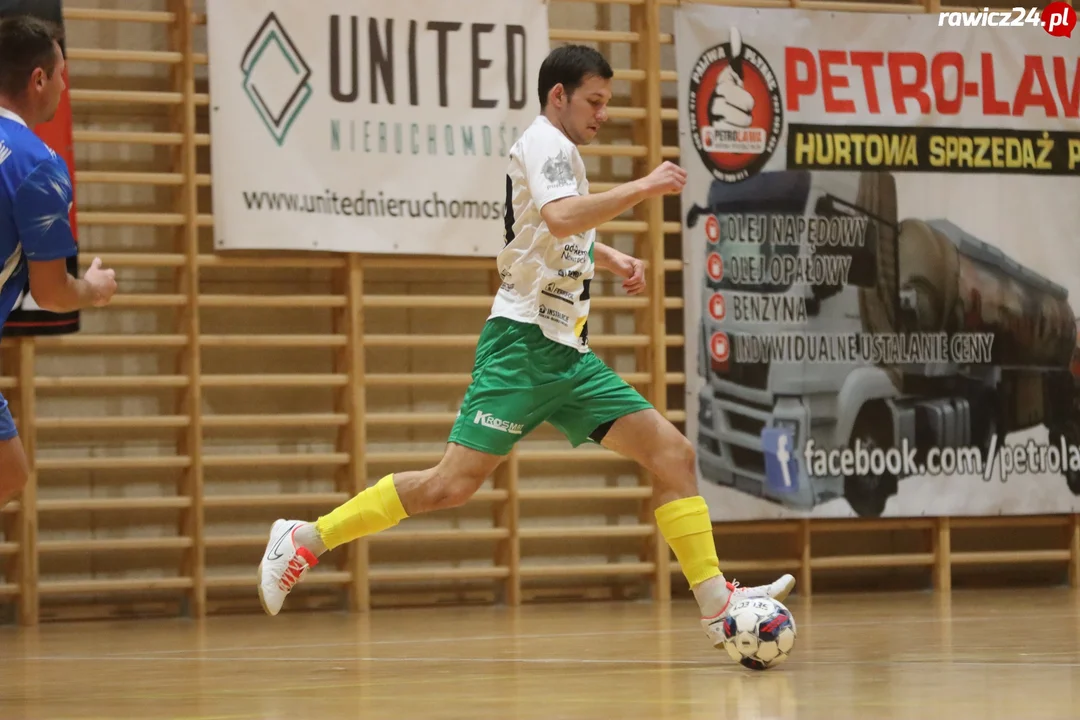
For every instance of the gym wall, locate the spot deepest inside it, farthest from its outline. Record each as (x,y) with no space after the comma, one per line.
(222,391)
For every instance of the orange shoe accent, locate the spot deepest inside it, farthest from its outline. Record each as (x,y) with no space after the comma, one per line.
(296,568)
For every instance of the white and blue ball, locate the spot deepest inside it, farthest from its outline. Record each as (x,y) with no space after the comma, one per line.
(759,633)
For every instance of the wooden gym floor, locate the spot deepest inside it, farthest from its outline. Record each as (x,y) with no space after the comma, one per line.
(983,654)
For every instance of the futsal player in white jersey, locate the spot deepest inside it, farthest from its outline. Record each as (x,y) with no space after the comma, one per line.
(533,363)
(35,202)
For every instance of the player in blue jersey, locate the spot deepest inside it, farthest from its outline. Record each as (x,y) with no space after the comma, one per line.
(35,204)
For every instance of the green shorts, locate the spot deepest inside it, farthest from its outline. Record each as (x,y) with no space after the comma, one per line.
(521,379)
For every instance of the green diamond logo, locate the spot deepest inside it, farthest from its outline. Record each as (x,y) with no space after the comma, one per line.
(277,80)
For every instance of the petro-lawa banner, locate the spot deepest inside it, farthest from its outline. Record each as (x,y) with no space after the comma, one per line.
(365,126)
(27,317)
(882,236)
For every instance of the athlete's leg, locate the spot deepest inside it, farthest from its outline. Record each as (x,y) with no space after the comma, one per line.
(449,484)
(14,468)
(648,438)
(295,545)
(605,409)
(508,397)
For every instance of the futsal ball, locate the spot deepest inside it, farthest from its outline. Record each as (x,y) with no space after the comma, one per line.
(759,633)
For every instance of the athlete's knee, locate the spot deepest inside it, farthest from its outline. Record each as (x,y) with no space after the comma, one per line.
(684,456)
(448,488)
(456,478)
(676,463)
(687,455)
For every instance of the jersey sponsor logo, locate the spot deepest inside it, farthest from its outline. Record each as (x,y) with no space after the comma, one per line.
(558,171)
(572,274)
(506,276)
(554,315)
(490,421)
(558,293)
(573,253)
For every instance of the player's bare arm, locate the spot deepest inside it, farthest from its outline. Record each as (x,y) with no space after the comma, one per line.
(579,213)
(57,291)
(625,266)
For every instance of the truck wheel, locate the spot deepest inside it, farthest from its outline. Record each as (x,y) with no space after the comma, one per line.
(868,493)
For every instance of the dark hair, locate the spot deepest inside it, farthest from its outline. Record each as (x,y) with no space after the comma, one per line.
(26,43)
(570,65)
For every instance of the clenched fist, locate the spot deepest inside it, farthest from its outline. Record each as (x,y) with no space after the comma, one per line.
(667,179)
(102,281)
(731,103)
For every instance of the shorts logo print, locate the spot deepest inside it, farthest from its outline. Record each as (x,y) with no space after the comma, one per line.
(490,421)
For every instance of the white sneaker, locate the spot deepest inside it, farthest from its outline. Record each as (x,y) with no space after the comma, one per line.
(283,565)
(777,590)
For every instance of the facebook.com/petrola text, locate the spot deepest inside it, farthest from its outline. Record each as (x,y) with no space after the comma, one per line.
(1027,458)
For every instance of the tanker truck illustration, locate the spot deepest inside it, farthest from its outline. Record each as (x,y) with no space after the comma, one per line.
(911,278)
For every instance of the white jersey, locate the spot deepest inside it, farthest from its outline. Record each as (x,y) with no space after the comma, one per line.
(545,281)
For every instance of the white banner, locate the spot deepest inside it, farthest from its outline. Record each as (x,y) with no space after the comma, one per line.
(883,262)
(365,126)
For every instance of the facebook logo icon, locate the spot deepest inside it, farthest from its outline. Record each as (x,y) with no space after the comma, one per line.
(781,466)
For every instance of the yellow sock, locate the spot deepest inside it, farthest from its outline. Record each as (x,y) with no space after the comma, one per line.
(372,511)
(686,527)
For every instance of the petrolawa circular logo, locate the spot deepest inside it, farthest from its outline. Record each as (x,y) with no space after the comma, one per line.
(736,113)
